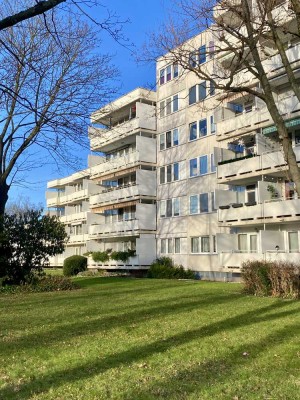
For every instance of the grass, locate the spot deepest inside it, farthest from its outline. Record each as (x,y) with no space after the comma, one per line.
(149,339)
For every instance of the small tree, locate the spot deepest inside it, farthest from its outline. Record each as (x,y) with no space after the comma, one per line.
(27,241)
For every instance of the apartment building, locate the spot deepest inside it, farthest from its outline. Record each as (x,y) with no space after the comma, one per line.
(224,195)
(212,162)
(112,204)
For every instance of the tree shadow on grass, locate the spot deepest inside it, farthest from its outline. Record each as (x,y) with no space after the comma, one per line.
(96,367)
(125,318)
(200,379)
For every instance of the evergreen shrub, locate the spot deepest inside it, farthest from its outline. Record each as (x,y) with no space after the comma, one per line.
(74,264)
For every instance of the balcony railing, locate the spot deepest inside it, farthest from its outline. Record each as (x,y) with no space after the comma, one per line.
(81,238)
(102,137)
(273,211)
(120,228)
(57,198)
(267,163)
(74,217)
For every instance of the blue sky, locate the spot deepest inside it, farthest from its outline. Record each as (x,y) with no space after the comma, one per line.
(145,17)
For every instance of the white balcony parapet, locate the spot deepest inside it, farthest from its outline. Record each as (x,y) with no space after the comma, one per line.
(102,137)
(120,228)
(133,262)
(265,163)
(274,211)
(233,260)
(80,216)
(58,198)
(68,179)
(81,238)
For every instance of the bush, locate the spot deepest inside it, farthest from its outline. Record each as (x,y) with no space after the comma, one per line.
(164,268)
(45,284)
(27,240)
(122,255)
(268,278)
(100,256)
(74,264)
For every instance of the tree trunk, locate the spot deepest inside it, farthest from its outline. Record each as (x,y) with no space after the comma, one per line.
(4,188)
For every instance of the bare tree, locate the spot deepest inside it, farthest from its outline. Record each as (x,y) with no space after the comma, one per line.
(50,79)
(245,36)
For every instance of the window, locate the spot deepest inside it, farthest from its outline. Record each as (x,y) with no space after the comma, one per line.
(202,91)
(198,129)
(202,54)
(195,245)
(193,131)
(169,106)
(203,165)
(197,93)
(169,73)
(212,197)
(175,171)
(212,163)
(169,173)
(162,142)
(175,71)
(192,95)
(163,246)
(242,243)
(193,60)
(214,244)
(193,167)
(202,127)
(253,243)
(200,244)
(212,124)
(175,137)
(175,103)
(203,202)
(170,245)
(293,242)
(194,208)
(199,203)
(169,139)
(170,208)
(177,245)
(162,175)
(162,76)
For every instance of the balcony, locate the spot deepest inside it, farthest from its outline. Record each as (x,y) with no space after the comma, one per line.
(145,153)
(80,216)
(120,228)
(144,187)
(132,263)
(76,239)
(77,177)
(223,12)
(240,171)
(232,261)
(55,199)
(107,139)
(268,212)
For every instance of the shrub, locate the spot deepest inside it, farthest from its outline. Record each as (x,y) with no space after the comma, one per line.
(100,256)
(122,255)
(27,240)
(45,284)
(164,268)
(74,264)
(267,278)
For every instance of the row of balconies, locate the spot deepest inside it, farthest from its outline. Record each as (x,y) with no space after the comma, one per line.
(269,163)
(239,124)
(108,139)
(270,212)
(55,199)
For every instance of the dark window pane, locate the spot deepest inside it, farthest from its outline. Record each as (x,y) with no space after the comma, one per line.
(202,91)
(168,139)
(202,127)
(192,95)
(169,173)
(193,131)
(162,175)
(204,202)
(202,54)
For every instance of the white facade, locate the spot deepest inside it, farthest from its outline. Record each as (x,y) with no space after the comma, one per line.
(216,169)
(112,204)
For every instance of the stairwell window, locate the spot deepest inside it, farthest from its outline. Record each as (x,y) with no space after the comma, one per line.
(293,241)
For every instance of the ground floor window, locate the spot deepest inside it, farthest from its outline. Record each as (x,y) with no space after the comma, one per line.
(293,242)
(200,244)
(170,246)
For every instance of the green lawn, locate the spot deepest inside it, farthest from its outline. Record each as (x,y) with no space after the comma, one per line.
(149,339)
